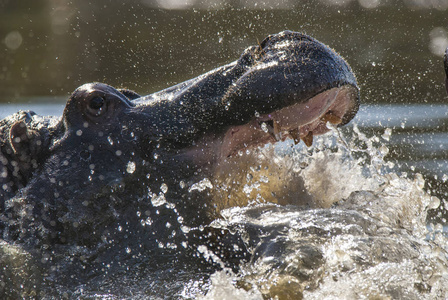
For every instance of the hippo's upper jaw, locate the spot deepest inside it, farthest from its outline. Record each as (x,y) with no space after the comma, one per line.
(289,86)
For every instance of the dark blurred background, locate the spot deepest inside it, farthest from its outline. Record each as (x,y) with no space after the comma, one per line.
(49,47)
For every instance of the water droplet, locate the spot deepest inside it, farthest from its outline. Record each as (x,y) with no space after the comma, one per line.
(419,180)
(158,200)
(13,40)
(164,188)
(434,203)
(444,177)
(130,167)
(383,150)
(387,134)
(264,127)
(185,229)
(201,185)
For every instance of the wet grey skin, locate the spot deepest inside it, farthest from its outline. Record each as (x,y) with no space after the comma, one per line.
(70,180)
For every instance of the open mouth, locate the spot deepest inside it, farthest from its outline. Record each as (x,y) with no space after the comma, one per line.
(301,121)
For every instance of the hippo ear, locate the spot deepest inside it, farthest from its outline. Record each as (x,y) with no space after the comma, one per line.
(131,95)
(20,137)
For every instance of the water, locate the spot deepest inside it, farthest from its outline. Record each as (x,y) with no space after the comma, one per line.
(376,229)
(394,47)
(372,244)
(43,109)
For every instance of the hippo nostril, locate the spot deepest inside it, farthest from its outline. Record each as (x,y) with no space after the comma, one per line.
(85,155)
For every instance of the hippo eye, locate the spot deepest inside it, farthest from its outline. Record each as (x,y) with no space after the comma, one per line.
(96,106)
(96,103)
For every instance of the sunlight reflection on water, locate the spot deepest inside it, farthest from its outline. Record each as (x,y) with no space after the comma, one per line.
(43,109)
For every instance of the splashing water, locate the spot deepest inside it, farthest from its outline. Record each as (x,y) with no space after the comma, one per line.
(365,237)
(334,221)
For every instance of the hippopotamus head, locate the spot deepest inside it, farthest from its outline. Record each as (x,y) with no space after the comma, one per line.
(115,154)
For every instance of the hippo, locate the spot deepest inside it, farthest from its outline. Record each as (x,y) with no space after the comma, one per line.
(117,162)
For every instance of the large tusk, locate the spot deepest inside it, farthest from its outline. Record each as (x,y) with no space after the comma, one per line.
(308,139)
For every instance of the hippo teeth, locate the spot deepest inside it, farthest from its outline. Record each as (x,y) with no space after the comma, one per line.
(274,129)
(300,121)
(277,132)
(308,139)
(295,134)
(271,127)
